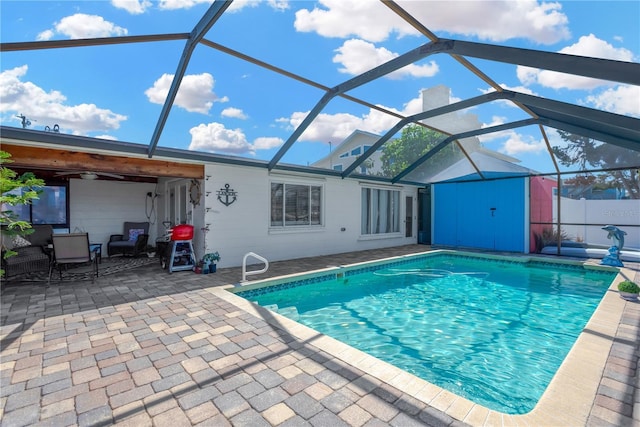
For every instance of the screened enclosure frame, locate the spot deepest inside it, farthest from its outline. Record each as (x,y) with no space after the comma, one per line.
(615,129)
(555,227)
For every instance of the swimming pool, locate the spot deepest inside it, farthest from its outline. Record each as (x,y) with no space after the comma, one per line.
(458,321)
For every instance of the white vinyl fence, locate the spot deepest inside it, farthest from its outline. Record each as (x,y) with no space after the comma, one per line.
(595,214)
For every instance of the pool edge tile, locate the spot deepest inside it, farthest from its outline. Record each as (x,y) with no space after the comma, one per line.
(595,340)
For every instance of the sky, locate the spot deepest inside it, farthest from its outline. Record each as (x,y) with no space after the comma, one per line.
(229,106)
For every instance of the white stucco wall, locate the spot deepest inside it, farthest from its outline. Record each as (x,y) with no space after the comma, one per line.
(244,226)
(101,207)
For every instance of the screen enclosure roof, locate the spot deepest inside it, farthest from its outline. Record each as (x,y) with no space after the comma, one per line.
(415,101)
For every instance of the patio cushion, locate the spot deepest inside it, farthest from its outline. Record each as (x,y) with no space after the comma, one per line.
(122,244)
(19,242)
(135,232)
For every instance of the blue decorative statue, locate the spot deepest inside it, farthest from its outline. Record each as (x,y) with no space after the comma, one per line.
(617,237)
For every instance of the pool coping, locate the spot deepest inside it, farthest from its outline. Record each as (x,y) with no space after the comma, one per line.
(567,400)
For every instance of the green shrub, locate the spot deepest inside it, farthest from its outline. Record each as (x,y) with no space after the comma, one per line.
(628,286)
(15,190)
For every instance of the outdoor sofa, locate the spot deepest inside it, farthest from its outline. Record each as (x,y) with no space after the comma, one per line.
(32,255)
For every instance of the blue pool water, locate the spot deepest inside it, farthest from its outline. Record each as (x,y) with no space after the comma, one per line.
(492,331)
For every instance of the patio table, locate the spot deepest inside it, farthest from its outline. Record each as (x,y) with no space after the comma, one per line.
(97,249)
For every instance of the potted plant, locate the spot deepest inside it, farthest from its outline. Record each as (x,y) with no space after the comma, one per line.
(211,259)
(628,290)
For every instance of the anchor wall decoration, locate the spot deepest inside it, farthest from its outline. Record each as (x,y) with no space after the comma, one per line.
(227,195)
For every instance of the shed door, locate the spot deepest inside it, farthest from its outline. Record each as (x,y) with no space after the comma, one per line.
(487,215)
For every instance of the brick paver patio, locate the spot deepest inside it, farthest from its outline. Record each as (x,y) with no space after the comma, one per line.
(148,348)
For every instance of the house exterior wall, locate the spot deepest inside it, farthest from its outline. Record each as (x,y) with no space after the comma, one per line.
(244,225)
(358,139)
(101,207)
(484,215)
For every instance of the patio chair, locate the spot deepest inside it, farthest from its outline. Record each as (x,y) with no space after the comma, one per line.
(31,252)
(72,249)
(132,242)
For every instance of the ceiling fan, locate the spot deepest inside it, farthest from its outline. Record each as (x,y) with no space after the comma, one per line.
(90,174)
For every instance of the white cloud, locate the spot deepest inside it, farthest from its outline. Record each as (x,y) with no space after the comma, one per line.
(267,143)
(592,46)
(134,7)
(279,4)
(622,99)
(586,46)
(180,4)
(519,89)
(83,26)
(511,142)
(194,95)
(495,121)
(107,137)
(496,20)
(214,137)
(235,6)
(508,103)
(517,144)
(358,56)
(49,109)
(235,113)
(45,35)
(336,127)
(414,106)
(369,20)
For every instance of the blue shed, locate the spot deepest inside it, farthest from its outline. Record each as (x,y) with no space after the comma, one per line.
(490,213)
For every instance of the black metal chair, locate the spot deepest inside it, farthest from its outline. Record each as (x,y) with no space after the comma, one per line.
(72,249)
(132,242)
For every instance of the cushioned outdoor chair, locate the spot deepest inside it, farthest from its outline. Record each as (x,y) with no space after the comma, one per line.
(72,249)
(132,242)
(31,252)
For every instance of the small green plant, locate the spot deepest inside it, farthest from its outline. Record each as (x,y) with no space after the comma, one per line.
(550,236)
(211,257)
(15,190)
(628,286)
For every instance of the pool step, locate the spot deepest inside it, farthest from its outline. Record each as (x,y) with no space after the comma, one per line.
(289,312)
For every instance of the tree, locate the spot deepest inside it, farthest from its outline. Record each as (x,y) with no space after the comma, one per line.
(589,153)
(29,188)
(414,142)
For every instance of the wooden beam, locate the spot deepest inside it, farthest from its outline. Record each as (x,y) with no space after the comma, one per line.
(28,157)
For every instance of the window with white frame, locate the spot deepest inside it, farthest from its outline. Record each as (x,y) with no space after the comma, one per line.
(380,211)
(295,204)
